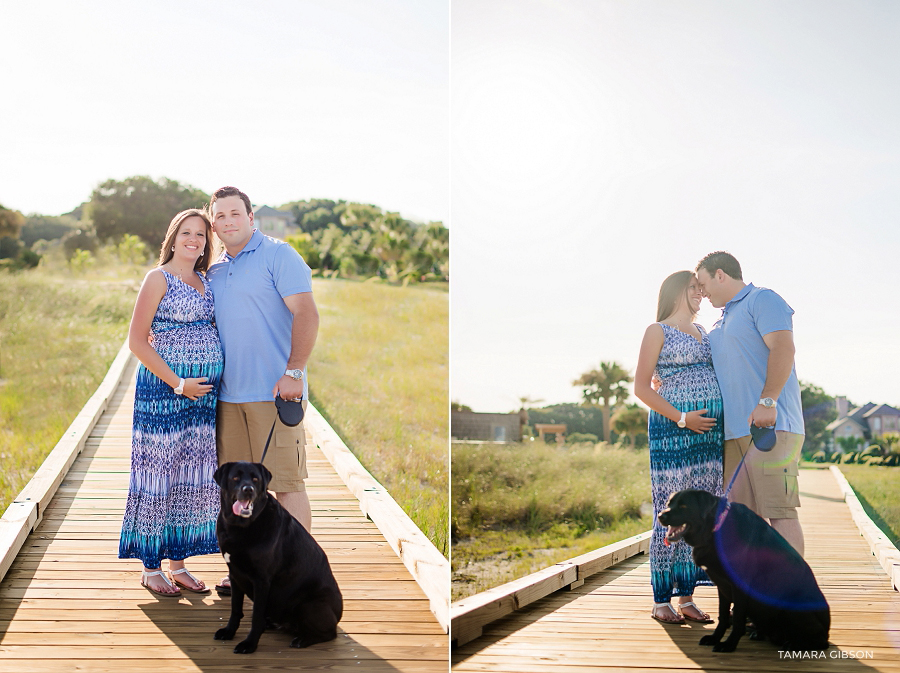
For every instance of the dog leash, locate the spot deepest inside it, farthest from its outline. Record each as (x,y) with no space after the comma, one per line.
(292,420)
(724,513)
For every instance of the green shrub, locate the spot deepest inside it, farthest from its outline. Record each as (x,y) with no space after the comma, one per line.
(578,437)
(819,457)
(849,457)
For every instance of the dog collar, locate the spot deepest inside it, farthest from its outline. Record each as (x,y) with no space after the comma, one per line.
(721,518)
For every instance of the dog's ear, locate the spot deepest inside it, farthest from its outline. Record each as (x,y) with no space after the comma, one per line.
(709,505)
(221,472)
(266,475)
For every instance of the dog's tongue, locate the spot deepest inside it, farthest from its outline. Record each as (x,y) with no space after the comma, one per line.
(240,506)
(666,538)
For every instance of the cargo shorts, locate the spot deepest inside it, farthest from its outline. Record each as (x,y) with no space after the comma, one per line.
(241,433)
(767,483)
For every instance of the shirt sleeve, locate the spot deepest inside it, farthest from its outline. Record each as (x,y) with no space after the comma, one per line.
(771,313)
(292,274)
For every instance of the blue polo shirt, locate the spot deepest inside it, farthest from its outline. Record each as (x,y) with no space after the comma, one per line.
(740,357)
(253,321)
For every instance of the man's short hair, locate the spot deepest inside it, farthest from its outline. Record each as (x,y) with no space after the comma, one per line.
(222,192)
(721,260)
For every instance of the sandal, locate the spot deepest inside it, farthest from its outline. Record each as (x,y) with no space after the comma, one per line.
(679,619)
(150,573)
(224,589)
(705,619)
(182,571)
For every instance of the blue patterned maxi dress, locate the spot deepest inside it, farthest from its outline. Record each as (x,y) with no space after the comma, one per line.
(679,457)
(172,498)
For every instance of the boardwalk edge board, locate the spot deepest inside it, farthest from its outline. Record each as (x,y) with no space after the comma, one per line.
(470,615)
(423,560)
(27,509)
(882,548)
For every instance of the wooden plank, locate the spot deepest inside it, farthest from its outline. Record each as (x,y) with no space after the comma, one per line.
(68,604)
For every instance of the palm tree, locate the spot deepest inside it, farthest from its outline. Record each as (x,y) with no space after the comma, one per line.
(607,384)
(630,421)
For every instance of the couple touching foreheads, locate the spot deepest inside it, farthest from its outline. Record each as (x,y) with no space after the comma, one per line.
(705,391)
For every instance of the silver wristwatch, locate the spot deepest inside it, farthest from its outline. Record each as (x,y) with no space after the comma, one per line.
(295,374)
(180,389)
(768,403)
(681,422)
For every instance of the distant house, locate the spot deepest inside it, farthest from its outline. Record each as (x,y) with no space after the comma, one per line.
(485,427)
(275,223)
(868,422)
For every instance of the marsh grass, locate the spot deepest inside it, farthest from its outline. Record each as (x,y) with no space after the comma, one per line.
(521,507)
(878,489)
(379,375)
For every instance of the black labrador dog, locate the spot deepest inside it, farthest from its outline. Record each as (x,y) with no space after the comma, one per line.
(754,569)
(275,561)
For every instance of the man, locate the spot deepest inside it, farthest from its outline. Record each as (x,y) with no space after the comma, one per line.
(267,321)
(753,354)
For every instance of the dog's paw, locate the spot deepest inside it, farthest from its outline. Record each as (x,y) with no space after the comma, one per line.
(725,647)
(245,647)
(709,640)
(224,634)
(756,635)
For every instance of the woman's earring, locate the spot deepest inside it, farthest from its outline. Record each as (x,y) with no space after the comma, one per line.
(201,254)
(173,248)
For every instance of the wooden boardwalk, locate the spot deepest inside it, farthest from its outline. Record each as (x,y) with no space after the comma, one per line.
(604,624)
(68,603)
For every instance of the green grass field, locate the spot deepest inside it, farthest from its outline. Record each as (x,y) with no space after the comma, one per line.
(518,508)
(379,376)
(878,489)
(379,373)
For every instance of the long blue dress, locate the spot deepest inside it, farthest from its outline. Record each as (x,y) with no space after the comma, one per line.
(172,498)
(681,458)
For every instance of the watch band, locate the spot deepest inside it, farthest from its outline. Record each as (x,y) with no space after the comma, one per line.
(681,422)
(295,374)
(180,389)
(768,403)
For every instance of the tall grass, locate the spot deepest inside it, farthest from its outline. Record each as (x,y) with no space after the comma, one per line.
(379,375)
(58,336)
(520,507)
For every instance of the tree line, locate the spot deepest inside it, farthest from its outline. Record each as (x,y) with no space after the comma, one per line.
(606,414)
(335,237)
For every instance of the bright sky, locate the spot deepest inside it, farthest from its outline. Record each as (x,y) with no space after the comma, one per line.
(341,99)
(600,145)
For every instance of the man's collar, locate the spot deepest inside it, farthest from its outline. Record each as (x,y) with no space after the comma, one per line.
(740,295)
(252,244)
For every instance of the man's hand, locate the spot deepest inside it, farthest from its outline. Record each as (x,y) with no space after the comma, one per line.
(763,417)
(288,388)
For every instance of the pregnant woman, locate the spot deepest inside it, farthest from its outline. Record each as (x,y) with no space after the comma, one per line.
(685,433)
(172,498)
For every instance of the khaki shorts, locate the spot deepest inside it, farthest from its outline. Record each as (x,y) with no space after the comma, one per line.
(241,433)
(767,483)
